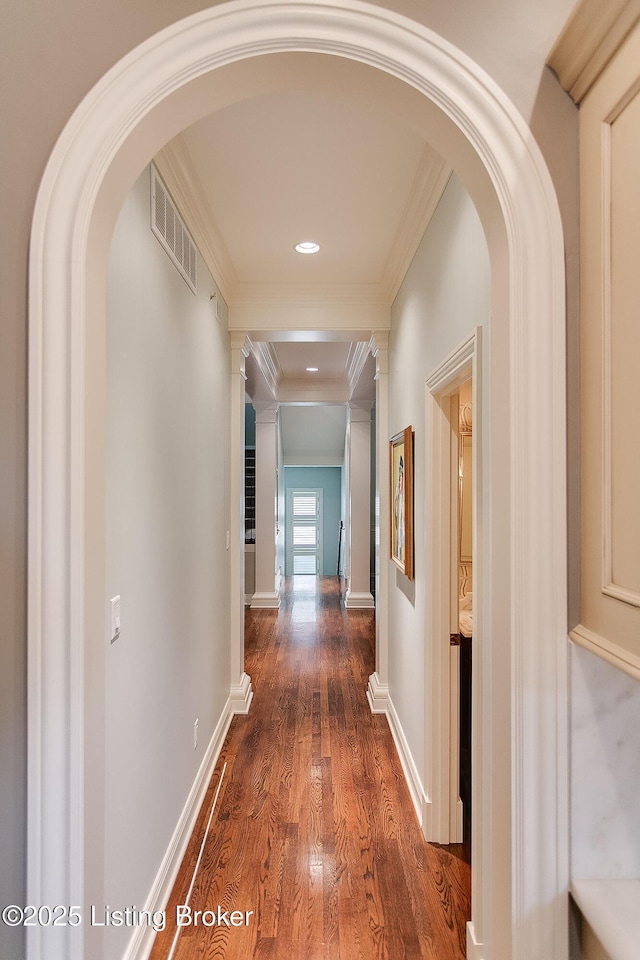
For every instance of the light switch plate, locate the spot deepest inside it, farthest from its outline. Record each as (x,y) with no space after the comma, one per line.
(114,606)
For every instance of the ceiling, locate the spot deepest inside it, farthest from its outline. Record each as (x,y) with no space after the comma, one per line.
(310,147)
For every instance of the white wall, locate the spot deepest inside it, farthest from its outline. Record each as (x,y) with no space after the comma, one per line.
(313,436)
(167,515)
(445,294)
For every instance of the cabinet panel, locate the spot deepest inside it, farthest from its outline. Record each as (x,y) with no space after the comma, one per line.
(610,351)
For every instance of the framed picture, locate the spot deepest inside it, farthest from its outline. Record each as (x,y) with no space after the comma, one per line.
(401,461)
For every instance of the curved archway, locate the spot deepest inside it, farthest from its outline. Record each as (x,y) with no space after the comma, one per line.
(140,104)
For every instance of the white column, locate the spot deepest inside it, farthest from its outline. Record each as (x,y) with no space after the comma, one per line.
(267,592)
(378,691)
(240,692)
(359,592)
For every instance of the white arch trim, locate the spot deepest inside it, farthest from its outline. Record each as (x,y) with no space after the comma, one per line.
(65,599)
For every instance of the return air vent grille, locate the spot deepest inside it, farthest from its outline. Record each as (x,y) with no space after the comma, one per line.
(169,228)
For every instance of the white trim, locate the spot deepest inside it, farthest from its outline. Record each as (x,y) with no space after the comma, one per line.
(90,169)
(474,948)
(141,942)
(241,695)
(609,587)
(380,702)
(359,601)
(607,650)
(590,38)
(265,600)
(410,770)
(444,823)
(377,694)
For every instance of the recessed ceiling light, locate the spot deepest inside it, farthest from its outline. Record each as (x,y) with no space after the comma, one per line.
(312,369)
(307,246)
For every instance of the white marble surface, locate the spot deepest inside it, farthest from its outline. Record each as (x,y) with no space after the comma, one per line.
(612,908)
(605,770)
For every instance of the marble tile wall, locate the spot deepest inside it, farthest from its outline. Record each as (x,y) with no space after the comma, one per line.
(605,769)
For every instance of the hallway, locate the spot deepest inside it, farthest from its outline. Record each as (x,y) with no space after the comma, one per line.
(314,829)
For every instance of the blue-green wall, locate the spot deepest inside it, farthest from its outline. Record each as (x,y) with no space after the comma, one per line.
(329,480)
(249,425)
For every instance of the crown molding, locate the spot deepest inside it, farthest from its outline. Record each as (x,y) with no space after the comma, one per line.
(176,167)
(356,359)
(590,38)
(302,293)
(268,364)
(322,391)
(428,186)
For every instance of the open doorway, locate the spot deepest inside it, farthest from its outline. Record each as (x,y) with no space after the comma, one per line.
(84,174)
(462,608)
(453,723)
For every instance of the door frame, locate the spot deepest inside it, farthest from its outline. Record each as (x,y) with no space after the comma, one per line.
(288,519)
(136,107)
(463,363)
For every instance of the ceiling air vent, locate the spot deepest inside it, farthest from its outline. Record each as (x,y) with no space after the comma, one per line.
(169,228)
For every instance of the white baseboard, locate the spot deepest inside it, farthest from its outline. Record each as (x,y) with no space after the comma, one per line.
(247,599)
(265,601)
(474,949)
(414,783)
(380,702)
(141,942)
(377,694)
(358,601)
(241,695)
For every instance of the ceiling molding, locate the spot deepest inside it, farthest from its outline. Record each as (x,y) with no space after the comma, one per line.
(175,164)
(268,365)
(292,293)
(321,391)
(176,167)
(356,359)
(590,38)
(309,316)
(428,186)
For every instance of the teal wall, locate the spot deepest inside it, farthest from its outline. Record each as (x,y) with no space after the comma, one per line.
(249,425)
(329,480)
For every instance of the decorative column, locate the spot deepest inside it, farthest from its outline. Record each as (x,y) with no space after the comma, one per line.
(378,691)
(267,593)
(240,692)
(359,530)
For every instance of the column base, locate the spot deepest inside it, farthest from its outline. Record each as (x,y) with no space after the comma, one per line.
(378,694)
(241,695)
(359,601)
(265,601)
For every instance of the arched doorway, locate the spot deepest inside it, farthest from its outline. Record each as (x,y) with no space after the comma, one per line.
(520,894)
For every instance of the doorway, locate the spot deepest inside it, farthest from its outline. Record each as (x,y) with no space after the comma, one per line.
(452,723)
(304,532)
(90,169)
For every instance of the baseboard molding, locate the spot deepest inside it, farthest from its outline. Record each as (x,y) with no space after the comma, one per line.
(474,949)
(141,942)
(380,702)
(414,783)
(377,694)
(359,601)
(241,695)
(248,597)
(265,601)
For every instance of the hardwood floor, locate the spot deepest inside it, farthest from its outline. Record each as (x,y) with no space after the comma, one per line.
(314,830)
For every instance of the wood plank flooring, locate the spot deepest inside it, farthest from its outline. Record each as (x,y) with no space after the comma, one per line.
(314,830)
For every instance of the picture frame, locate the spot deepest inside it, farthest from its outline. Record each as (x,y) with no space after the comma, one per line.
(401,498)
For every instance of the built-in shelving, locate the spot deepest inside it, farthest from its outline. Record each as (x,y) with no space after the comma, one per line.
(250,495)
